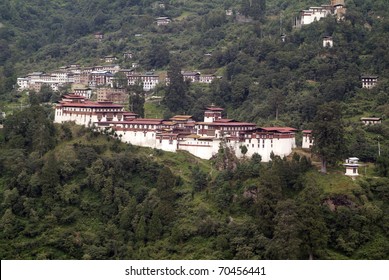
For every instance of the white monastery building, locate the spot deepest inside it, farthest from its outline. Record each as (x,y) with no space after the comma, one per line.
(202,139)
(334,8)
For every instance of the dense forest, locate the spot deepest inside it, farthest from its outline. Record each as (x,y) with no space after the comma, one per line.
(67,192)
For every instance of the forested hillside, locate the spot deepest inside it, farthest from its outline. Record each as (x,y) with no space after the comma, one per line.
(70,193)
(67,192)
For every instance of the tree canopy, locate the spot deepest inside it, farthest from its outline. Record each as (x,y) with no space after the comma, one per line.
(328,134)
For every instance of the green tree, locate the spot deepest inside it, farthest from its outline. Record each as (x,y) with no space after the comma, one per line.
(382,166)
(140,231)
(137,99)
(155,227)
(165,183)
(50,178)
(199,178)
(269,193)
(30,129)
(313,231)
(176,97)
(276,101)
(243,149)
(286,242)
(120,80)
(328,134)
(8,224)
(127,215)
(157,55)
(254,8)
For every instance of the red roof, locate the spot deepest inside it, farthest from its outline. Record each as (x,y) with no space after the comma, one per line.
(134,121)
(73,96)
(225,120)
(307,131)
(215,109)
(227,123)
(145,121)
(90,104)
(279,129)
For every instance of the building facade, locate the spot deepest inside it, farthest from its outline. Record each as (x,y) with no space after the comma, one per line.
(307,139)
(202,139)
(369,81)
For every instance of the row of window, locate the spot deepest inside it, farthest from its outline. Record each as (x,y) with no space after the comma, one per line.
(146,126)
(259,145)
(91,110)
(263,141)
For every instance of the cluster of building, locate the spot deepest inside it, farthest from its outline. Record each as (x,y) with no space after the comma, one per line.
(202,139)
(99,76)
(182,133)
(334,8)
(92,77)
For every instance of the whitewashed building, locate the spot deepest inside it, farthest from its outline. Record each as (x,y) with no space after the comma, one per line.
(181,132)
(75,108)
(23,83)
(314,14)
(352,167)
(371,120)
(334,8)
(328,42)
(149,80)
(161,21)
(369,81)
(307,139)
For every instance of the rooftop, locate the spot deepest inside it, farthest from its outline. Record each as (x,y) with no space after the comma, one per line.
(213,108)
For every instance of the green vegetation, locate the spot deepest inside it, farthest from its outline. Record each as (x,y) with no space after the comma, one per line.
(67,192)
(78,194)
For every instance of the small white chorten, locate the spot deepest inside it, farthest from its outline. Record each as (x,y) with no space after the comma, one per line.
(352,167)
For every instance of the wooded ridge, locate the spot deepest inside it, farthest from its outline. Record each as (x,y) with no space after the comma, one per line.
(68,192)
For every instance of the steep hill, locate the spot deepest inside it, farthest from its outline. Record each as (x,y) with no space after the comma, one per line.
(69,193)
